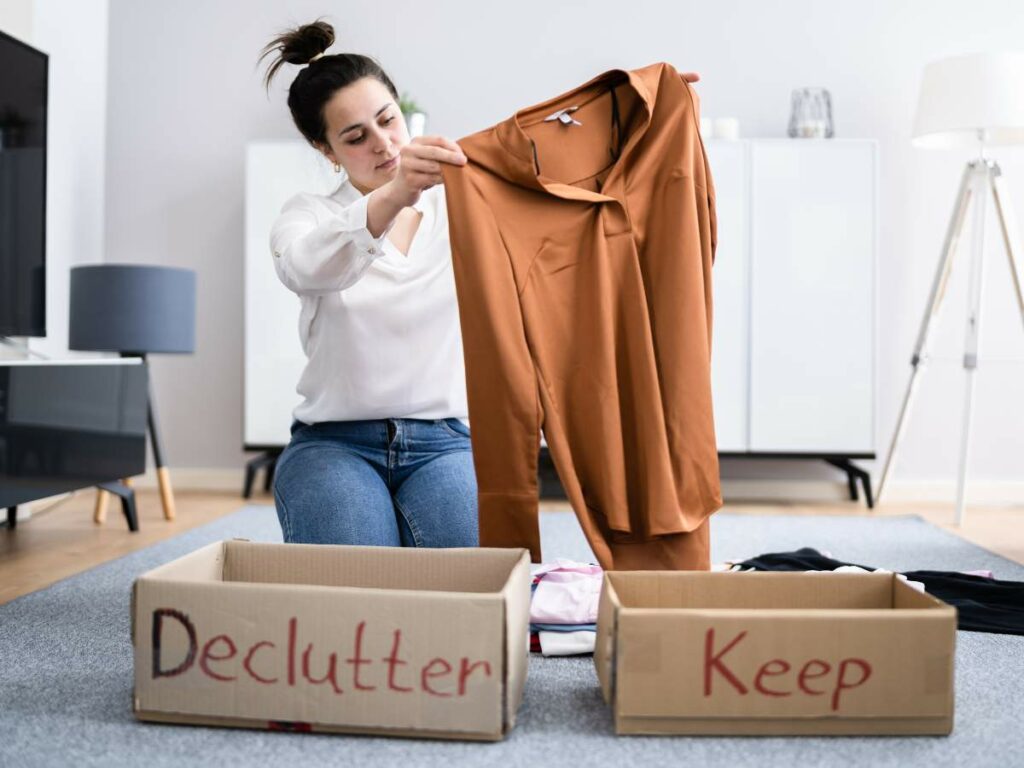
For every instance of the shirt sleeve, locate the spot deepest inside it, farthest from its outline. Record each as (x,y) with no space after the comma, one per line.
(501,383)
(708,183)
(318,251)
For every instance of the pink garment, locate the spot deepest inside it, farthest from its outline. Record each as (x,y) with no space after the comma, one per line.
(567,593)
(983,573)
(567,643)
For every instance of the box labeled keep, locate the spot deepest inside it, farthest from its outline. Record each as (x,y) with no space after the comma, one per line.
(390,641)
(774,654)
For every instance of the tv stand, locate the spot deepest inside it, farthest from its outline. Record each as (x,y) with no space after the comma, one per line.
(71,424)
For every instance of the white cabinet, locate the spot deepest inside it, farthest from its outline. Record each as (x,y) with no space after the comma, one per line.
(794,285)
(794,276)
(731,282)
(274,359)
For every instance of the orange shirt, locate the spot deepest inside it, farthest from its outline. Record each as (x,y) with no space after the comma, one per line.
(583,245)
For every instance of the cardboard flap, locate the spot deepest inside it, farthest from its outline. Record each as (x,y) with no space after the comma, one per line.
(205,564)
(449,570)
(905,596)
(517,635)
(758,590)
(604,643)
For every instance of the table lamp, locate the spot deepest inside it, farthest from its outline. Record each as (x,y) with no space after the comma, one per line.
(135,310)
(969,102)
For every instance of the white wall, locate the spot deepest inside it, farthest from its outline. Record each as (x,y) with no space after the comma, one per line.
(16,19)
(74,34)
(185,96)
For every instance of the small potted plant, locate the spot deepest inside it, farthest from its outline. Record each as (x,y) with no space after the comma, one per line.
(415,118)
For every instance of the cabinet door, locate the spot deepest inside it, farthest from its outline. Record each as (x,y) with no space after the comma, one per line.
(812,296)
(274,359)
(730,281)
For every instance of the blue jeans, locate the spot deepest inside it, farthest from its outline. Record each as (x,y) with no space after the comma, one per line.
(387,482)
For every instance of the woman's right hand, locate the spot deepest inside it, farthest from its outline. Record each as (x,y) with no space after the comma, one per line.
(419,166)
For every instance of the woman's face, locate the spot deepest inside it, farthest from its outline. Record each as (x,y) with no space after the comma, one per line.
(365,132)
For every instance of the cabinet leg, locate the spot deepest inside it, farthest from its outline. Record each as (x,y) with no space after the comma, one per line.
(266,461)
(268,476)
(127,496)
(866,480)
(853,474)
(250,476)
(99,514)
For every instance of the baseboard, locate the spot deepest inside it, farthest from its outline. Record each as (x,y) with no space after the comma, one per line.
(988,493)
(206,479)
(1005,492)
(38,506)
(199,479)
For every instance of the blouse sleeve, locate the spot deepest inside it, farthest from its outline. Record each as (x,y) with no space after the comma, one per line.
(319,249)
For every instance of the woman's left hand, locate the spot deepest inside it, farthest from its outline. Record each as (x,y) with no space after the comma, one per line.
(690,77)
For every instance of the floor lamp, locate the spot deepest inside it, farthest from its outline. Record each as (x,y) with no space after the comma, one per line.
(135,310)
(968,102)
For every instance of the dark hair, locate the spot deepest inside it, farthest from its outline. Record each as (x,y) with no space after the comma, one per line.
(316,83)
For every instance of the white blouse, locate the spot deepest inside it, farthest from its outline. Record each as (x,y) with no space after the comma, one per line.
(380,330)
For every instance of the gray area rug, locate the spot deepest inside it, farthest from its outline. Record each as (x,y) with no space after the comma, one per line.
(66,674)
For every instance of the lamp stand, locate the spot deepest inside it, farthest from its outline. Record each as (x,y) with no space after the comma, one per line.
(979,177)
(163,475)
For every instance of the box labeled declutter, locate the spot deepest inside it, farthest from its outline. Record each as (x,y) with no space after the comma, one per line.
(774,653)
(392,641)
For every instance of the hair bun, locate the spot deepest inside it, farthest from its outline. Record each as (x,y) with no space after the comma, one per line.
(302,44)
(298,46)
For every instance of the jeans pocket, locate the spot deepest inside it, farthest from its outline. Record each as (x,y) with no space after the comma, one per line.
(455,427)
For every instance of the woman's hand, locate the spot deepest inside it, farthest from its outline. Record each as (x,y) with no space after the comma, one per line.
(419,166)
(690,77)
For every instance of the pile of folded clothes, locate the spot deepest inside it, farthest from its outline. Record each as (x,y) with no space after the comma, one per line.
(563,608)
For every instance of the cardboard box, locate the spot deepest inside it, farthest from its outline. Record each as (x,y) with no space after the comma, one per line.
(774,653)
(390,641)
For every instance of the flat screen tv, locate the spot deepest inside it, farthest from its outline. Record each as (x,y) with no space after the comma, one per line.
(23,73)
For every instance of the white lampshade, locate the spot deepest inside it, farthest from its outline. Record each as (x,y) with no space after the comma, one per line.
(963,95)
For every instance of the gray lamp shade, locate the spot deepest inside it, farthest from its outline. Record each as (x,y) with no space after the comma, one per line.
(132,308)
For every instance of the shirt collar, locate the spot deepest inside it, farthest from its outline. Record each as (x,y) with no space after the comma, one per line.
(344,192)
(519,164)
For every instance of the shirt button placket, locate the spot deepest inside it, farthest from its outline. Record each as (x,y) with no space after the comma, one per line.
(616,221)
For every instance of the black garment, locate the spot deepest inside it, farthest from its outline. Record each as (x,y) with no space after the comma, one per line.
(983,605)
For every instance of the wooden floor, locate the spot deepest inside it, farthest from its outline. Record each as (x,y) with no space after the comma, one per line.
(63,540)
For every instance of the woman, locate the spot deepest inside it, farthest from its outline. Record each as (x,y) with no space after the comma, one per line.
(380,450)
(380,453)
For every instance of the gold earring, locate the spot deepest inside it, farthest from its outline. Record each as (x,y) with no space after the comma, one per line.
(337,167)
